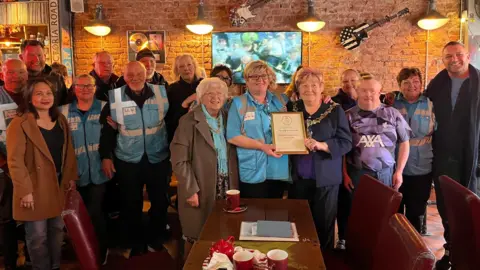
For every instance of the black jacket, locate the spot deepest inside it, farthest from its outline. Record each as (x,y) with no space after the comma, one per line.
(177,92)
(102,88)
(157,79)
(344,100)
(61,95)
(458,131)
(333,130)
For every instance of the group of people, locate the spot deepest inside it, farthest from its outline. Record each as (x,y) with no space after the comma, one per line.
(110,136)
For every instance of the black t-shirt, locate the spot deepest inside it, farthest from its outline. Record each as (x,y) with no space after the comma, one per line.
(55,140)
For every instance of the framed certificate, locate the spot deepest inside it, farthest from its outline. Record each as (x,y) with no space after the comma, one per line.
(288,131)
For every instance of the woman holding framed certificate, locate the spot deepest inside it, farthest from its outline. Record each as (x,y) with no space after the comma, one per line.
(263,172)
(318,175)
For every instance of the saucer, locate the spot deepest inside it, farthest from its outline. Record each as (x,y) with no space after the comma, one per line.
(240,209)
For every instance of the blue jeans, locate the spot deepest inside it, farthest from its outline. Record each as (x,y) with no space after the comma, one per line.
(384,176)
(44,242)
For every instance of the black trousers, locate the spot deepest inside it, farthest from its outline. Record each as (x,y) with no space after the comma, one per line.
(454,169)
(415,191)
(131,178)
(93,197)
(8,226)
(270,189)
(343,211)
(323,204)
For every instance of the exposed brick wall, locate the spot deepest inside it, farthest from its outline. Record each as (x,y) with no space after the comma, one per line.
(395,45)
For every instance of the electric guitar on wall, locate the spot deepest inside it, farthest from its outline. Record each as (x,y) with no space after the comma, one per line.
(240,14)
(352,36)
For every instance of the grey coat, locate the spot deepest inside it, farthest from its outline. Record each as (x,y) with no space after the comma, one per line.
(194,162)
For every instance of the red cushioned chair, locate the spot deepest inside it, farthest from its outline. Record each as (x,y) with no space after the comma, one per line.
(373,205)
(84,241)
(401,247)
(474,203)
(463,253)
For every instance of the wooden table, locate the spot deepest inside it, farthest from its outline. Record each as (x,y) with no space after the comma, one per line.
(304,254)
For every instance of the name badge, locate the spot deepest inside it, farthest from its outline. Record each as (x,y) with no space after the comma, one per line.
(250,116)
(73,126)
(9,115)
(129,111)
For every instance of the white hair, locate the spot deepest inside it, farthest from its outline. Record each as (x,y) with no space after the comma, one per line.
(207,83)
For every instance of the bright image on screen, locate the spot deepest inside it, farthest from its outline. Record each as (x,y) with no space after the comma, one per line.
(281,50)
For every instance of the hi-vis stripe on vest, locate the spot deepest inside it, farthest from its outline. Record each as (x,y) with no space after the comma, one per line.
(118,106)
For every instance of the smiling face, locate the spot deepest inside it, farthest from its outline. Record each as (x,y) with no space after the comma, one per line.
(456,60)
(14,75)
(369,94)
(411,88)
(350,81)
(150,65)
(42,97)
(258,81)
(186,68)
(34,58)
(85,89)
(214,98)
(310,89)
(135,76)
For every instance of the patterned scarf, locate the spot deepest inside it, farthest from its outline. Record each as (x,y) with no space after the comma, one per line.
(218,134)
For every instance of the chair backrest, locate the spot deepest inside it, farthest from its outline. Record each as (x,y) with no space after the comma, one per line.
(401,247)
(474,203)
(460,221)
(373,204)
(81,231)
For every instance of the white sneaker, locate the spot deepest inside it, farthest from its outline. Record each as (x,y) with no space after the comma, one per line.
(340,244)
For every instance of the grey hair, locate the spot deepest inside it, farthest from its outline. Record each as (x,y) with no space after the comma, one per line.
(97,54)
(208,83)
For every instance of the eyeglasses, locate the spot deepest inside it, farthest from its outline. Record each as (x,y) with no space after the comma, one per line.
(256,77)
(85,86)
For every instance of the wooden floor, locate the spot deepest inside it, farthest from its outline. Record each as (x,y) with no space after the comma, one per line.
(435,241)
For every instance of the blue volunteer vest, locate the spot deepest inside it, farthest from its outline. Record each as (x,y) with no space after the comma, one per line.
(85,130)
(142,130)
(8,110)
(423,124)
(254,165)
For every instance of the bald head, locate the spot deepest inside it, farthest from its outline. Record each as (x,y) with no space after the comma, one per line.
(135,76)
(369,94)
(14,74)
(103,65)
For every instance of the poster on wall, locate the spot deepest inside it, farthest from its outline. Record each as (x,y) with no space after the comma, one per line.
(282,51)
(153,40)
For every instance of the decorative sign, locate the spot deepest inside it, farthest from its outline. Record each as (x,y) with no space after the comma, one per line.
(55,39)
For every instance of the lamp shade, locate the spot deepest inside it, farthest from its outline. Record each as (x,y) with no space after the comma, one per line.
(311,23)
(200,26)
(98,26)
(432,19)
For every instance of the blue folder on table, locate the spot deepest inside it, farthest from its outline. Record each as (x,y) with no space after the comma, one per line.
(267,228)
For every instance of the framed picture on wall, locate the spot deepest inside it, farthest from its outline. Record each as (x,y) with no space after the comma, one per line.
(282,51)
(151,39)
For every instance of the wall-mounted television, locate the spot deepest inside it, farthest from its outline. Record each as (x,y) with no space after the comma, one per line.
(280,50)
